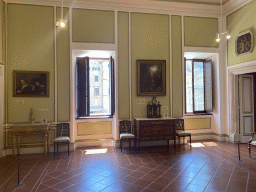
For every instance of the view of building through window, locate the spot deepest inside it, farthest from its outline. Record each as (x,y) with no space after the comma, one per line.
(199,86)
(189,92)
(99,87)
(195,99)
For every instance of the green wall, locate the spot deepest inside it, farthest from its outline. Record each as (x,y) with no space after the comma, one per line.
(123,66)
(150,39)
(94,128)
(63,67)
(93,26)
(177,78)
(30,47)
(198,123)
(237,22)
(200,31)
(1,30)
(3,46)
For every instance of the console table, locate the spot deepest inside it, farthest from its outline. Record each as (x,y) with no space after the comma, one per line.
(18,130)
(151,129)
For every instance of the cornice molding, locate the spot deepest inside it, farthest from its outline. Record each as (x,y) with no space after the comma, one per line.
(145,6)
(133,6)
(234,5)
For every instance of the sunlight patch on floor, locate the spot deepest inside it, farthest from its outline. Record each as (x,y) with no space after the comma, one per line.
(95,151)
(197,145)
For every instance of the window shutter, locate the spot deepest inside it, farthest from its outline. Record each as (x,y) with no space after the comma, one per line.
(208,85)
(83,87)
(112,71)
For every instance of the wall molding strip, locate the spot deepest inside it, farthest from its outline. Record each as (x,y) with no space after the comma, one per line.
(130,65)
(160,7)
(182,65)
(170,37)
(115,127)
(6,63)
(55,68)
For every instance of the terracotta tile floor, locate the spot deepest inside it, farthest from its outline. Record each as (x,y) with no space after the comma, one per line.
(212,167)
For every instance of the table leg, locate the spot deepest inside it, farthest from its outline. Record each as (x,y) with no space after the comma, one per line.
(13,144)
(48,142)
(45,143)
(18,144)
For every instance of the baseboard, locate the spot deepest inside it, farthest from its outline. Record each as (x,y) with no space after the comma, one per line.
(207,136)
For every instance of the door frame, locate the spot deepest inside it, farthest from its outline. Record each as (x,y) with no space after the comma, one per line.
(232,96)
(244,137)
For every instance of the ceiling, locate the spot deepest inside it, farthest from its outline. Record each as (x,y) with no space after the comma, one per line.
(208,2)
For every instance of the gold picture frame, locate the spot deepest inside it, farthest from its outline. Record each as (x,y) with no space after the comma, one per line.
(30,83)
(151,77)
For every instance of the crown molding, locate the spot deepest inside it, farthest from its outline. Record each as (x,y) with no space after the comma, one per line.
(160,7)
(145,6)
(234,5)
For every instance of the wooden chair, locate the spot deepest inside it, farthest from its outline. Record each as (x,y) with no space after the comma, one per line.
(251,143)
(126,133)
(62,136)
(180,132)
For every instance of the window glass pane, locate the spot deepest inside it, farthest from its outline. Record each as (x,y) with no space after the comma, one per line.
(99,84)
(198,86)
(96,91)
(189,95)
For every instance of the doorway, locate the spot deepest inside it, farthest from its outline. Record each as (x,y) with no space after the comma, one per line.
(246,106)
(233,99)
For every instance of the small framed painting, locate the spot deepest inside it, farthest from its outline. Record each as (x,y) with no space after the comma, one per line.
(151,75)
(30,84)
(244,42)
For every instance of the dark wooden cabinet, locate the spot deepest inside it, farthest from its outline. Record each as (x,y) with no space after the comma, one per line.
(147,129)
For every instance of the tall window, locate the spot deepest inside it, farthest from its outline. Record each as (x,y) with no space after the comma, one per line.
(198,86)
(91,100)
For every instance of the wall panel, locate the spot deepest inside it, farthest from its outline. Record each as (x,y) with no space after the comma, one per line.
(200,31)
(1,29)
(30,46)
(150,40)
(63,67)
(177,79)
(198,123)
(123,66)
(93,26)
(94,128)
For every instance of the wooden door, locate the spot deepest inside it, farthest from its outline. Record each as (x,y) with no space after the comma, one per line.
(246,99)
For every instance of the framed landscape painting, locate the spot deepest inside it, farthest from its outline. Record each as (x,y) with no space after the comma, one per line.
(151,77)
(30,84)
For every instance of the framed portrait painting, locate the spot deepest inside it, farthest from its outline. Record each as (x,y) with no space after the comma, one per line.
(244,42)
(30,84)
(151,77)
